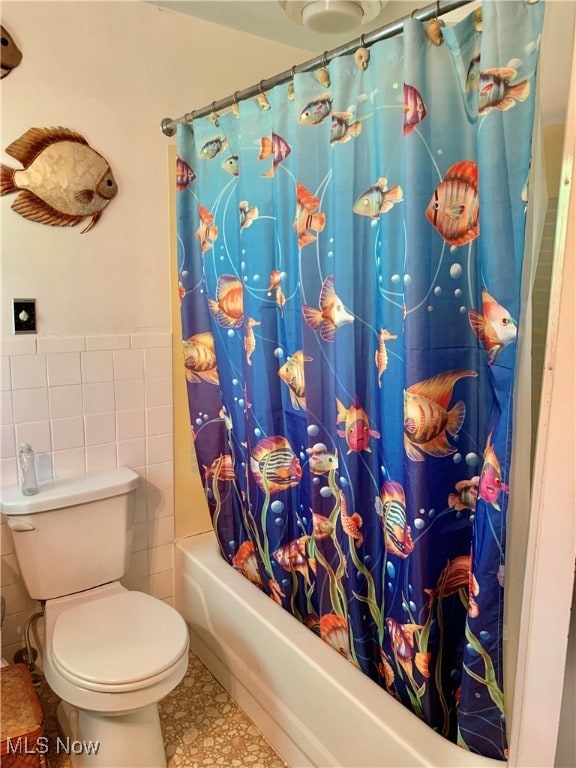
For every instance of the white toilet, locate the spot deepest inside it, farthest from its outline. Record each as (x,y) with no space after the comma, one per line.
(110,654)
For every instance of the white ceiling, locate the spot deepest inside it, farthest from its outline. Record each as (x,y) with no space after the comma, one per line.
(265,18)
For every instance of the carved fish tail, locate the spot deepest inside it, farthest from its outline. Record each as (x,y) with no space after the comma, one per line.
(7,184)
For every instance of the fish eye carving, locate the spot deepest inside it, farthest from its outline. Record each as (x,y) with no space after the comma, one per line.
(5,41)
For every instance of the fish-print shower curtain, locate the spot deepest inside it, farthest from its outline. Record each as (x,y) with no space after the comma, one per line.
(350,254)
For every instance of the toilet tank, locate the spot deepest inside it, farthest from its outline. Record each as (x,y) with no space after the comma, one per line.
(75,534)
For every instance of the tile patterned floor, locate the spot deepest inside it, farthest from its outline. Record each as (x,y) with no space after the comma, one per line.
(202,727)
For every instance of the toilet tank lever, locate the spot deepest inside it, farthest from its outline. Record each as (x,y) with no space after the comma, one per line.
(20,525)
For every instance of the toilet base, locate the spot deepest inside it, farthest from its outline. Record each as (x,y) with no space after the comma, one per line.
(130,740)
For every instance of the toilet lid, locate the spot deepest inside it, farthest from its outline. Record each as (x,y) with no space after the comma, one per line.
(119,639)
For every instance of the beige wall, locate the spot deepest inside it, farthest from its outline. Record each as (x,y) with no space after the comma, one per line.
(93,388)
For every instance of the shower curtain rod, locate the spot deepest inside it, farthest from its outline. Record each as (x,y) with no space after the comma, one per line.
(431,11)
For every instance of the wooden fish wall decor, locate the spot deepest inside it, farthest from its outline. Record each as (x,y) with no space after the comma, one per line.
(10,54)
(63,179)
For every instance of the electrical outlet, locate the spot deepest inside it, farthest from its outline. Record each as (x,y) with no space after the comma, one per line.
(24,315)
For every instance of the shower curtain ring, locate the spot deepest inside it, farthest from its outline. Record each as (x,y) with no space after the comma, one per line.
(235,110)
(263,99)
(213,115)
(325,61)
(434,28)
(291,83)
(362,54)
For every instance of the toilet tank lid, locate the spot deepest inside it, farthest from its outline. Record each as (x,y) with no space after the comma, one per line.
(69,491)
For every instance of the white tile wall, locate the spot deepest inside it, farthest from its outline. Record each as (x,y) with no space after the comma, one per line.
(28,371)
(30,404)
(89,403)
(107,342)
(63,368)
(5,373)
(61,344)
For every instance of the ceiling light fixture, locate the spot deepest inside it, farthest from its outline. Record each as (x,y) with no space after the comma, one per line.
(332,16)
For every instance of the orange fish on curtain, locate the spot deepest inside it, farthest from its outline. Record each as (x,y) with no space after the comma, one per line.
(496,92)
(248,215)
(331,314)
(274,465)
(391,509)
(293,557)
(465,496)
(207,232)
(63,180)
(246,562)
(334,631)
(427,420)
(490,485)
(277,148)
(308,218)
(228,306)
(453,208)
(351,524)
(222,468)
(402,642)
(292,373)
(357,429)
(495,327)
(200,359)
(455,576)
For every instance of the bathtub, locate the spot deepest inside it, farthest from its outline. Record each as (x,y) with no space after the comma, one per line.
(311,705)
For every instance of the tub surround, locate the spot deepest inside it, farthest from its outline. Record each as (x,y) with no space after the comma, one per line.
(87,403)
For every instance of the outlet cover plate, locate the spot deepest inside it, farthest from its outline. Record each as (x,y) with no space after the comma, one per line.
(24,315)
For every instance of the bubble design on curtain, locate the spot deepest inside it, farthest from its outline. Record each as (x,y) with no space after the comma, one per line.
(350,257)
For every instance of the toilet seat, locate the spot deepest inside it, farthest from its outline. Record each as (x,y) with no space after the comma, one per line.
(118,643)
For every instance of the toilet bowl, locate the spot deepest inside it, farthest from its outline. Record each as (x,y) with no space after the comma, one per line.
(109,653)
